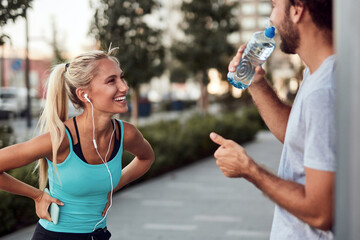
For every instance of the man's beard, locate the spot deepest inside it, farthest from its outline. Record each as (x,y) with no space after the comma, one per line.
(289,36)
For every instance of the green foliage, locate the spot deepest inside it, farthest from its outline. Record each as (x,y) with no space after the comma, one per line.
(17,211)
(58,56)
(4,38)
(178,74)
(123,24)
(207,25)
(6,136)
(178,143)
(11,10)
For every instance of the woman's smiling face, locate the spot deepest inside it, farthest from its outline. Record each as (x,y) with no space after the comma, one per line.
(108,88)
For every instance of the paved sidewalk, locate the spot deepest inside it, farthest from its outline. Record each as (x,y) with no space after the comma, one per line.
(194,203)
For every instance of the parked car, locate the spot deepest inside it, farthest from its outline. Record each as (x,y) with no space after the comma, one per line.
(13,101)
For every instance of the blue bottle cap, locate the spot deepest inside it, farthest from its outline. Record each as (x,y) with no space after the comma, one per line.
(270,32)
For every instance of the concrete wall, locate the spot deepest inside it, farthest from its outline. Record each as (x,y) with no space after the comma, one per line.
(347,32)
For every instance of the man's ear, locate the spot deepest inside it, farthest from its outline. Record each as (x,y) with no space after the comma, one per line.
(297,12)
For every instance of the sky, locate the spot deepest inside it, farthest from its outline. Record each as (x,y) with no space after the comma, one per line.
(72,20)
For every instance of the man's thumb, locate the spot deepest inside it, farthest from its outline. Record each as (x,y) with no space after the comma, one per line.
(217,138)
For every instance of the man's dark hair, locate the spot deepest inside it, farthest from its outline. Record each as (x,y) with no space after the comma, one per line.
(320,12)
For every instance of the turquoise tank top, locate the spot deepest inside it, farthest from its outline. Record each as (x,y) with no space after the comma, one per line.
(83,188)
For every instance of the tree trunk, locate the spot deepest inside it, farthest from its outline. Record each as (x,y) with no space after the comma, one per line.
(2,67)
(203,102)
(135,106)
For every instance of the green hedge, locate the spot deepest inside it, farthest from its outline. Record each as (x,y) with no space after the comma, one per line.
(178,143)
(175,143)
(15,211)
(6,136)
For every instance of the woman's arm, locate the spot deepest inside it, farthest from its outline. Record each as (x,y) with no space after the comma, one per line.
(19,155)
(135,144)
(22,154)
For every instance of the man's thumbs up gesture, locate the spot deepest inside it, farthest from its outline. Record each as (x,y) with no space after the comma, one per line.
(231,158)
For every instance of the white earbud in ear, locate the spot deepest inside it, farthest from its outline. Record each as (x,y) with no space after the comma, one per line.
(86,97)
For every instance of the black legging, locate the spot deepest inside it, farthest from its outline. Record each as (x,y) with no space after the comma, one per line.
(43,234)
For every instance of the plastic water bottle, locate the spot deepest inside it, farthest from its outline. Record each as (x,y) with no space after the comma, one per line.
(258,49)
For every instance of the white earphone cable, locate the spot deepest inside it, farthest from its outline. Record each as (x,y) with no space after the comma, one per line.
(104,161)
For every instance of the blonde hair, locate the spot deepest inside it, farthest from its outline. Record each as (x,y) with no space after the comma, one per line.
(61,87)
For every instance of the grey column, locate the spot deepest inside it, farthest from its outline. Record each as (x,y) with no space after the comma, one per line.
(347,35)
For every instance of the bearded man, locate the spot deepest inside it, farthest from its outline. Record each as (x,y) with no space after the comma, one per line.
(303,191)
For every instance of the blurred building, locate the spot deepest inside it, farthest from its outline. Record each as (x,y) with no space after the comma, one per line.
(253,17)
(12,72)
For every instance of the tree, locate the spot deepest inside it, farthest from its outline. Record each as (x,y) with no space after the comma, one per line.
(10,10)
(141,52)
(4,38)
(57,49)
(207,25)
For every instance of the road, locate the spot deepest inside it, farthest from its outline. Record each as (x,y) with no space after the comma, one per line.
(194,203)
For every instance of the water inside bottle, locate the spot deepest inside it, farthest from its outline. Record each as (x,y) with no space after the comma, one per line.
(253,56)
(259,52)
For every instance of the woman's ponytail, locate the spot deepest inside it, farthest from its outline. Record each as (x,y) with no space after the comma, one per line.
(52,119)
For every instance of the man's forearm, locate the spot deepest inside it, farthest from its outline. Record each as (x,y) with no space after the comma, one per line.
(291,196)
(284,193)
(274,112)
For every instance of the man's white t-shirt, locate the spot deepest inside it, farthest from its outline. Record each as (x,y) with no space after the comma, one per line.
(309,142)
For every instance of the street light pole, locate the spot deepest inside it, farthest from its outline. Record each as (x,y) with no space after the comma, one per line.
(27,73)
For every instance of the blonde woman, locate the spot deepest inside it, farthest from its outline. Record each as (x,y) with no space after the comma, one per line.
(80,158)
